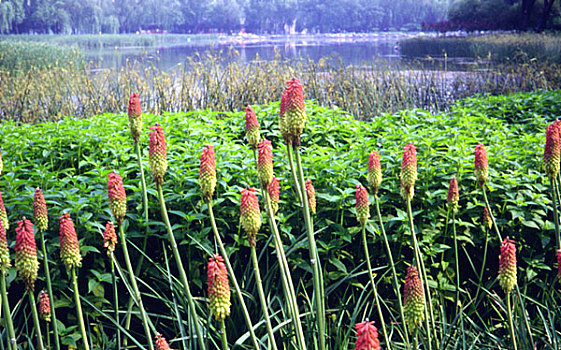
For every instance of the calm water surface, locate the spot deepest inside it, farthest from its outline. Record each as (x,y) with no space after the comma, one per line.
(350,50)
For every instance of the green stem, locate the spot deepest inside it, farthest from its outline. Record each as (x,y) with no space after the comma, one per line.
(483,264)
(48,336)
(555,214)
(145,241)
(445,234)
(36,319)
(50,290)
(182,274)
(285,274)
(491,213)
(272,342)
(314,257)
(457,295)
(232,276)
(422,272)
(510,324)
(79,309)
(376,298)
(293,172)
(115,300)
(137,295)
(394,273)
(223,335)
(12,344)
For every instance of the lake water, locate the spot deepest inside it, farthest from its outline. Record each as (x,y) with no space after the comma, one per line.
(350,49)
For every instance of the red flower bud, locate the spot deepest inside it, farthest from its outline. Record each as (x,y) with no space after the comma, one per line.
(367,336)
(207,173)
(218,287)
(44,306)
(481,164)
(69,247)
(251,128)
(40,211)
(109,237)
(117,197)
(486,219)
(362,206)
(453,195)
(161,343)
(292,112)
(274,194)
(552,151)
(26,253)
(408,171)
(311,194)
(158,154)
(265,163)
(414,299)
(250,214)
(507,265)
(374,176)
(135,117)
(4,252)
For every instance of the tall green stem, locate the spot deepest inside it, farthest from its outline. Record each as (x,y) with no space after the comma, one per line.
(293,172)
(50,290)
(182,274)
(12,344)
(394,273)
(376,298)
(145,241)
(272,342)
(79,309)
(483,264)
(510,324)
(314,257)
(223,335)
(285,274)
(422,272)
(115,300)
(457,296)
(36,319)
(48,337)
(232,276)
(555,214)
(137,295)
(491,213)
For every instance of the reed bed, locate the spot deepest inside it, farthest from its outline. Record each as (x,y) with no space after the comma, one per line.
(220,82)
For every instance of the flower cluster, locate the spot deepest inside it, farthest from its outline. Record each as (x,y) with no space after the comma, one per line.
(45,306)
(69,247)
(408,171)
(157,154)
(26,253)
(362,206)
(367,336)
(250,214)
(481,169)
(218,287)
(4,252)
(4,214)
(135,117)
(413,300)
(374,176)
(507,265)
(453,195)
(311,194)
(274,194)
(552,151)
(40,217)
(117,197)
(251,128)
(265,163)
(292,112)
(161,343)
(109,238)
(207,173)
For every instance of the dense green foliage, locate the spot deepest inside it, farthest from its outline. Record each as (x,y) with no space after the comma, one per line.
(193,16)
(22,56)
(70,160)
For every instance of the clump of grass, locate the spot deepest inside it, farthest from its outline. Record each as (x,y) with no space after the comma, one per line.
(18,57)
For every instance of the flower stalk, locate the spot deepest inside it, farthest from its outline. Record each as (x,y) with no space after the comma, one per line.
(452,200)
(40,219)
(4,266)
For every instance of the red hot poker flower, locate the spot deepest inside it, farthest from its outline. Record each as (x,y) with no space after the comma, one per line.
(507,265)
(251,128)
(274,194)
(26,253)
(45,306)
(158,154)
(374,176)
(109,237)
(207,173)
(481,164)
(4,252)
(408,171)
(362,206)
(453,195)
(218,287)
(265,163)
(161,343)
(292,112)
(413,300)
(40,211)
(367,336)
(250,214)
(135,117)
(311,194)
(552,151)
(69,246)
(117,197)
(4,214)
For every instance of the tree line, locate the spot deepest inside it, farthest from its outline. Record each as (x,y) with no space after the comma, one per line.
(195,16)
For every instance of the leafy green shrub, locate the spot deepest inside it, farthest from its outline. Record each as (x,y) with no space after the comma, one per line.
(70,160)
